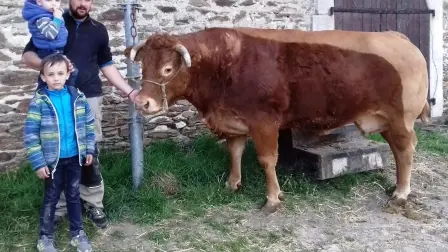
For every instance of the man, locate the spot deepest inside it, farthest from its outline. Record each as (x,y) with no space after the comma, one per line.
(88,48)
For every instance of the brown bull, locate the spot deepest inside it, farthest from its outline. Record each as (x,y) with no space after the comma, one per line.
(253,82)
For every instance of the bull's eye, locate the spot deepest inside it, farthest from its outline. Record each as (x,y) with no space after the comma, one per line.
(167,70)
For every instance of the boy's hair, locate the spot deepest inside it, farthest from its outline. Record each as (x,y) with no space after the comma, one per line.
(53,59)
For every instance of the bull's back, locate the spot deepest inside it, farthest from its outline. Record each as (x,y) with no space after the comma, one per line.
(335,76)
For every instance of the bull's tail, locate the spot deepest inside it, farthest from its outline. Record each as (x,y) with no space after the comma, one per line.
(424,115)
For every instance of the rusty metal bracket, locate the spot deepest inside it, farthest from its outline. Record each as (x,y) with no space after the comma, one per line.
(381,11)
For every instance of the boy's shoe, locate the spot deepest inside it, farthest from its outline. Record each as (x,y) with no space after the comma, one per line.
(81,242)
(45,244)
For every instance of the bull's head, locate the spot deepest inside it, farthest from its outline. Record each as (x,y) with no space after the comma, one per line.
(164,62)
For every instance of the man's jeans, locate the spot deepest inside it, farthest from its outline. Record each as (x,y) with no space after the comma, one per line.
(66,178)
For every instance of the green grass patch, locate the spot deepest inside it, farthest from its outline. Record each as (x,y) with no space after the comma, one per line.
(428,141)
(178,181)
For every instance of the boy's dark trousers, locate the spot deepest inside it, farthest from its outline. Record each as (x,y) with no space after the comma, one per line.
(66,177)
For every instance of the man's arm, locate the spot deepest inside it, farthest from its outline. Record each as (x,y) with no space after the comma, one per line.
(109,70)
(29,56)
(114,77)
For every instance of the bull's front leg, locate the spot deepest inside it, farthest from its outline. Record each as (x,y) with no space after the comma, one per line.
(236,147)
(265,139)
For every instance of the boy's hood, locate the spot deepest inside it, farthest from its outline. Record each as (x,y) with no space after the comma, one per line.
(32,10)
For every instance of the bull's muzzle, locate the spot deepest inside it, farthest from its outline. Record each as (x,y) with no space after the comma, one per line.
(147,105)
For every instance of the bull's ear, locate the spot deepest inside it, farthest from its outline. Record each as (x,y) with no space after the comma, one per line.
(138,56)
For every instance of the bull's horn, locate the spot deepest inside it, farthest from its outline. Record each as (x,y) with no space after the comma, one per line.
(135,49)
(184,52)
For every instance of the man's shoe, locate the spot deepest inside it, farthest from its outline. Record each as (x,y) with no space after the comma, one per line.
(45,244)
(81,242)
(97,216)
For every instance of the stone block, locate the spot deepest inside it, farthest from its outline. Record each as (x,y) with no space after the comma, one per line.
(341,151)
(333,159)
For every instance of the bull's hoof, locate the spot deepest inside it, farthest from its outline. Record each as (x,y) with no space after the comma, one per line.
(271,206)
(395,205)
(281,196)
(233,186)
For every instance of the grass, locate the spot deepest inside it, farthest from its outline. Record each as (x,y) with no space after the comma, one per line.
(428,141)
(178,181)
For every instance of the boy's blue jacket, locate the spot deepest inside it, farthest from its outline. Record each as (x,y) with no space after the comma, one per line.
(32,12)
(42,132)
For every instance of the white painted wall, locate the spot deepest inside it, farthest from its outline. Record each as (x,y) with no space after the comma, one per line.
(323,21)
(436,56)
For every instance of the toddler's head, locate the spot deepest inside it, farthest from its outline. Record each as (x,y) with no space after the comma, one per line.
(50,5)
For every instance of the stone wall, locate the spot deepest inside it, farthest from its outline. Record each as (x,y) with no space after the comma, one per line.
(178,16)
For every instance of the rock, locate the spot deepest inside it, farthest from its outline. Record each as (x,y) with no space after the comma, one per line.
(161,120)
(178,108)
(116,42)
(18,78)
(219,18)
(162,131)
(224,3)
(239,16)
(5,109)
(199,3)
(188,114)
(167,9)
(6,156)
(180,125)
(115,15)
(3,41)
(330,248)
(8,118)
(4,57)
(182,19)
(247,3)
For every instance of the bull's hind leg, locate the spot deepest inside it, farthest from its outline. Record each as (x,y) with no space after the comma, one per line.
(236,147)
(265,139)
(402,142)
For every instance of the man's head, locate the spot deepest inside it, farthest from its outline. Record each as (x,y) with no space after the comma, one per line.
(80,8)
(50,5)
(55,71)
(165,77)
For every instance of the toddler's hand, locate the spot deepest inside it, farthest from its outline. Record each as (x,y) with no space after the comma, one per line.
(71,68)
(89,159)
(43,172)
(58,13)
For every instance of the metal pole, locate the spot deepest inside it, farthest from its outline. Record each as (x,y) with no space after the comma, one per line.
(133,71)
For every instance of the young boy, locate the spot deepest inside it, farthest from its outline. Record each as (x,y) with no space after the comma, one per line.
(47,28)
(59,138)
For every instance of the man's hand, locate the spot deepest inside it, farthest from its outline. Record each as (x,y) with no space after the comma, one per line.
(58,13)
(89,160)
(43,172)
(133,95)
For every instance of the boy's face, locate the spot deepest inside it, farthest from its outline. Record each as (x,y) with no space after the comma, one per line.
(50,5)
(56,75)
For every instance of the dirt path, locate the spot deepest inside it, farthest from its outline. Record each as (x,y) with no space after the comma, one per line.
(360,224)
